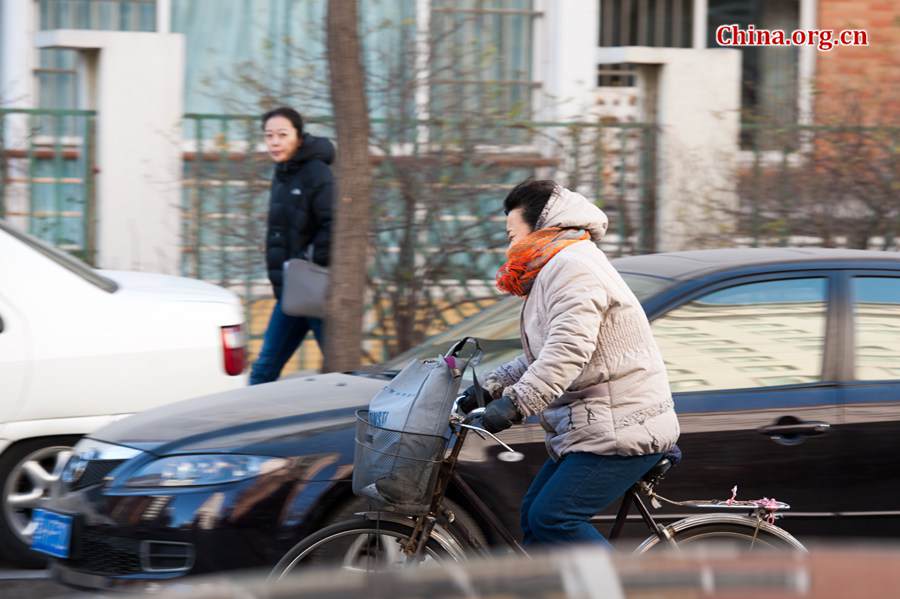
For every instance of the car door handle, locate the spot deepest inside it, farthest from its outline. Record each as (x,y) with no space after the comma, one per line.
(807,429)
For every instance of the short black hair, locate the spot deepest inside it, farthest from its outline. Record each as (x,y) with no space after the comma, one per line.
(289,113)
(532,197)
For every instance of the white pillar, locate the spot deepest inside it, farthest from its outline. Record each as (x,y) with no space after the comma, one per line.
(700,17)
(135,82)
(17,90)
(423,49)
(17,26)
(163,16)
(806,68)
(566,41)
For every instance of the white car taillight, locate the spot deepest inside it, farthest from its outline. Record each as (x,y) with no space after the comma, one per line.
(234,349)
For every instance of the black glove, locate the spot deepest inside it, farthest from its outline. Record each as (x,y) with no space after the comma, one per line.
(500,415)
(470,401)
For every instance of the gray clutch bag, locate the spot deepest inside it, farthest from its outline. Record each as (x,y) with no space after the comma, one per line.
(305,289)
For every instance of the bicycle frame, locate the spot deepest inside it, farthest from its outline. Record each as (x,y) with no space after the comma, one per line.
(425,524)
(630,497)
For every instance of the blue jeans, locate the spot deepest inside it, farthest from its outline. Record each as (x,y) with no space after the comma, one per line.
(283,336)
(565,495)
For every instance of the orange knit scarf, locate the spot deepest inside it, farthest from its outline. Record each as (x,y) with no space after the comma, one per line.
(526,258)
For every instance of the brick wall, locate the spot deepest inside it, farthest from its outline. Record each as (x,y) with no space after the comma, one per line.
(860,78)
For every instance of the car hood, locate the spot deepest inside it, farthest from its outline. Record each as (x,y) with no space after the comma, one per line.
(169,287)
(247,420)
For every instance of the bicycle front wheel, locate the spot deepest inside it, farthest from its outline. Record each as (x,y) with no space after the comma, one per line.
(725,533)
(359,544)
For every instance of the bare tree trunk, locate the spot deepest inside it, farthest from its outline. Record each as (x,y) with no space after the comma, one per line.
(350,233)
(406,304)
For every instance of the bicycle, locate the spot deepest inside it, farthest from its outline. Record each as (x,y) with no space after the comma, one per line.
(423,528)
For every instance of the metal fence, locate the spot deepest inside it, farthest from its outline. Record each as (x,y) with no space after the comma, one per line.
(47,175)
(438,227)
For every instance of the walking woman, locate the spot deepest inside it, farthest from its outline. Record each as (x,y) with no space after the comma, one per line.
(591,369)
(299,226)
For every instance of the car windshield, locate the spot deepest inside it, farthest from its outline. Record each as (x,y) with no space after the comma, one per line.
(497,328)
(70,263)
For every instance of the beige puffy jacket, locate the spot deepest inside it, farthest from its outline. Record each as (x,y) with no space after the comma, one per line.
(591,367)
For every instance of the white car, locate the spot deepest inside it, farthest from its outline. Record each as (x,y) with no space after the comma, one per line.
(80,348)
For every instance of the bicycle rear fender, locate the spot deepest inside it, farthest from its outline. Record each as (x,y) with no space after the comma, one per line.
(690,522)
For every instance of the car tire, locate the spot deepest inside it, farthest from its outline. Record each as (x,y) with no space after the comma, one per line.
(29,471)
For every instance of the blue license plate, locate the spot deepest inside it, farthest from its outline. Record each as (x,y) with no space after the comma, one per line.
(52,533)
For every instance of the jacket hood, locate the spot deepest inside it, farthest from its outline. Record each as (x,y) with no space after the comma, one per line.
(571,210)
(313,148)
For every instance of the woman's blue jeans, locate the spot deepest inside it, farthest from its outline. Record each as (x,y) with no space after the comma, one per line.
(283,336)
(565,495)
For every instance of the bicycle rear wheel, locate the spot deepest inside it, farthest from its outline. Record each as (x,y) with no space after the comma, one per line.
(728,533)
(359,544)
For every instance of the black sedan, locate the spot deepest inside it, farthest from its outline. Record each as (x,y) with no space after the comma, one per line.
(785,364)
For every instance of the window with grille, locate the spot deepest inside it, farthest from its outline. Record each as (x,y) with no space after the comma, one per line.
(481,57)
(109,15)
(657,23)
(616,75)
(769,74)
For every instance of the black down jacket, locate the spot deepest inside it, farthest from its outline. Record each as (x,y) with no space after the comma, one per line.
(300,206)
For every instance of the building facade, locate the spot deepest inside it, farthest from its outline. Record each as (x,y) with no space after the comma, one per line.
(684,143)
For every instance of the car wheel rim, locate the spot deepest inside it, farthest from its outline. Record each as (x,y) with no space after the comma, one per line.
(30,486)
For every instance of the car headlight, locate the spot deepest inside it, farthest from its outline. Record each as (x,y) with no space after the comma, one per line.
(191,470)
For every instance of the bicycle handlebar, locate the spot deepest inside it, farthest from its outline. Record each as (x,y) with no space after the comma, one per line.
(465,420)
(473,415)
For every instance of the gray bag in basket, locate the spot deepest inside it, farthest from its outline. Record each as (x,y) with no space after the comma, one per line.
(418,400)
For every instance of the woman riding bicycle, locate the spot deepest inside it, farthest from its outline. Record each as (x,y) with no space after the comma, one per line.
(593,373)
(591,369)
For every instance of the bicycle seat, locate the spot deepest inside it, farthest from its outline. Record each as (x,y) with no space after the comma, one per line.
(658,471)
(669,459)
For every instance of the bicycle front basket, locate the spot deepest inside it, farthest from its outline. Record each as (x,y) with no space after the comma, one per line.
(396,469)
